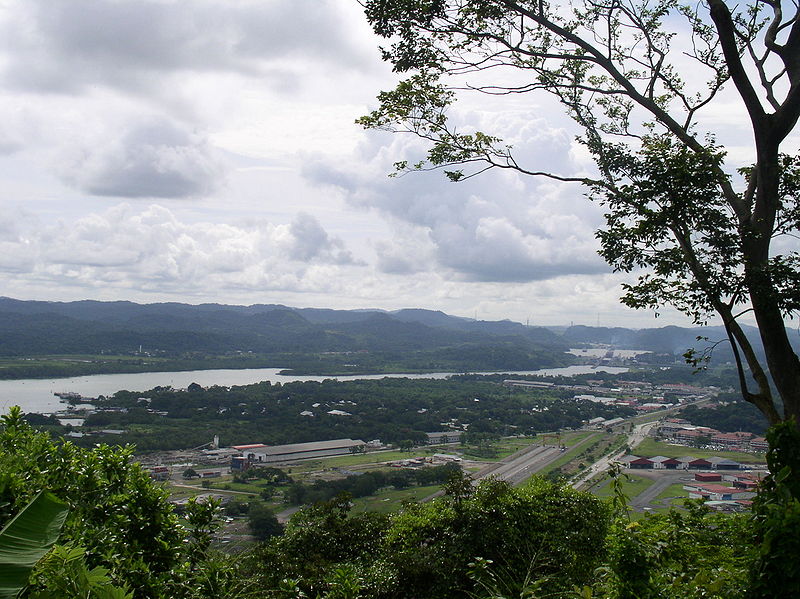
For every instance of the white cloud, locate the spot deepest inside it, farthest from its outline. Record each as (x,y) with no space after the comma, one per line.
(69,45)
(154,159)
(498,227)
(152,249)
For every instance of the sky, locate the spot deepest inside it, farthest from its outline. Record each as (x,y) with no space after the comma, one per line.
(157,150)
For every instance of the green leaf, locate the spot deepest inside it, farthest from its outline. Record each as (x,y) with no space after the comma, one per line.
(26,538)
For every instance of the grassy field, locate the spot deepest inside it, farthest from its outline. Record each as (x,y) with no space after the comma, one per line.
(572,439)
(391,500)
(651,447)
(672,495)
(631,487)
(503,448)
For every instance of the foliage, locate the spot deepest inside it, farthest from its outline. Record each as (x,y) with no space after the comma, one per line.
(543,531)
(202,522)
(391,409)
(26,538)
(321,538)
(638,80)
(119,519)
(734,416)
(681,554)
(262,521)
(777,517)
(368,483)
(63,574)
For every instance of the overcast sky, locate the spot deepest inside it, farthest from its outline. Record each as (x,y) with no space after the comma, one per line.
(206,151)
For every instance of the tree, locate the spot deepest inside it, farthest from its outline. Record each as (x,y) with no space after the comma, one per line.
(119,518)
(638,78)
(262,521)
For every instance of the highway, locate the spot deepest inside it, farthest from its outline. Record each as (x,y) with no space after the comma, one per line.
(520,466)
(635,437)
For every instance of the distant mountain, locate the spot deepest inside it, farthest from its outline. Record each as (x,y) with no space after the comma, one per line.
(48,328)
(670,339)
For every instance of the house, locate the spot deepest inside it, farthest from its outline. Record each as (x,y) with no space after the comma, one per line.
(707,477)
(759,444)
(731,439)
(159,473)
(248,447)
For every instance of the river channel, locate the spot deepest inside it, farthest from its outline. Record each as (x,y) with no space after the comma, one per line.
(36,395)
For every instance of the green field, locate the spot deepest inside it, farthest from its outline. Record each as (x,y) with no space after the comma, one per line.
(631,487)
(650,447)
(572,439)
(391,500)
(502,448)
(672,495)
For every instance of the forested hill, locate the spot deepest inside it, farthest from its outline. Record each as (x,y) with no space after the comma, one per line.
(47,328)
(92,327)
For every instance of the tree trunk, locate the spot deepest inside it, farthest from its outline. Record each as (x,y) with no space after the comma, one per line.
(782,362)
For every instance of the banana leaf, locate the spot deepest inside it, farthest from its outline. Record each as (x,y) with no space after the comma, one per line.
(26,538)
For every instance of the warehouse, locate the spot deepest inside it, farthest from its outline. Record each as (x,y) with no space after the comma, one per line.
(300,451)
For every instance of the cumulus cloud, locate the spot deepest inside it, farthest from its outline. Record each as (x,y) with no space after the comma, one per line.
(305,240)
(67,45)
(500,226)
(154,158)
(153,250)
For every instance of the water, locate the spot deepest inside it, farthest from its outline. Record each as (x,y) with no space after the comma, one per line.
(36,395)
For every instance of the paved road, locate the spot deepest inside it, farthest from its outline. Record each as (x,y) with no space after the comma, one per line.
(520,466)
(662,481)
(635,437)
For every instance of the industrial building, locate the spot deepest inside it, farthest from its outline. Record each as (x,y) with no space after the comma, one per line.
(301,451)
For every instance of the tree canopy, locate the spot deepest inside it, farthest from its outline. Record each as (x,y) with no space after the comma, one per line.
(704,233)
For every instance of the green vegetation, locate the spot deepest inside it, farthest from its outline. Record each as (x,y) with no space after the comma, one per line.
(45,339)
(631,487)
(674,494)
(737,415)
(26,539)
(121,539)
(31,367)
(394,410)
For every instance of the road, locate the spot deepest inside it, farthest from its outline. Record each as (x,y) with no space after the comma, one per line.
(520,466)
(662,481)
(635,437)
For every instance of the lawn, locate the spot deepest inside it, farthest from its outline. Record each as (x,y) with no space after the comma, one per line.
(673,494)
(392,500)
(572,439)
(650,447)
(631,487)
(504,448)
